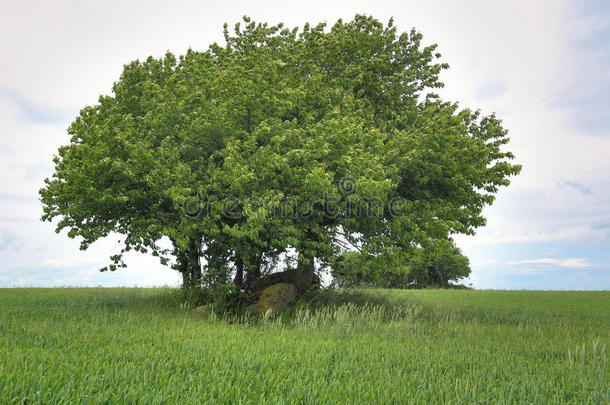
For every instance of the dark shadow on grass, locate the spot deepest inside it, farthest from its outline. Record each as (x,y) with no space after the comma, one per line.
(355,301)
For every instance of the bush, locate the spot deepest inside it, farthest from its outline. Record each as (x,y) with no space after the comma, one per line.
(441,265)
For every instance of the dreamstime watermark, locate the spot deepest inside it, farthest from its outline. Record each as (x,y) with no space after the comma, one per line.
(344,203)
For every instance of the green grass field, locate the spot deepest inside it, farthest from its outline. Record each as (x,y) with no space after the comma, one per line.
(431,346)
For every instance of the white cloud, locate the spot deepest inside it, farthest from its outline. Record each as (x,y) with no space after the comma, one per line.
(571,262)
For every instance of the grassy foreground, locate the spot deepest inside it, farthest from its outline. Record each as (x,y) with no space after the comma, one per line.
(142,346)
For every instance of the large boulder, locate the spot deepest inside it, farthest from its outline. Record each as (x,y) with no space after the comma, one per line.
(276,298)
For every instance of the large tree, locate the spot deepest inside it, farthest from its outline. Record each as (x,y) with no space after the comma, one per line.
(280,141)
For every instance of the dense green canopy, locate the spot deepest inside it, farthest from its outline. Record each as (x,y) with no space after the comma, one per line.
(440,265)
(280,141)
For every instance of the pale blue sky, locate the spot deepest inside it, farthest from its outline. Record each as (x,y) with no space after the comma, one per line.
(543,66)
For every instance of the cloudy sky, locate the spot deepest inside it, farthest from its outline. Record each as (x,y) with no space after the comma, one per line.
(543,67)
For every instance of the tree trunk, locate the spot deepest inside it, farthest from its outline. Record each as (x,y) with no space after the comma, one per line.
(239,272)
(193,254)
(436,276)
(253,272)
(303,277)
(186,279)
(182,265)
(305,271)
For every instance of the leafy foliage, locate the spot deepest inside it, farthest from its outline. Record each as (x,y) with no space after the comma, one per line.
(440,265)
(280,141)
